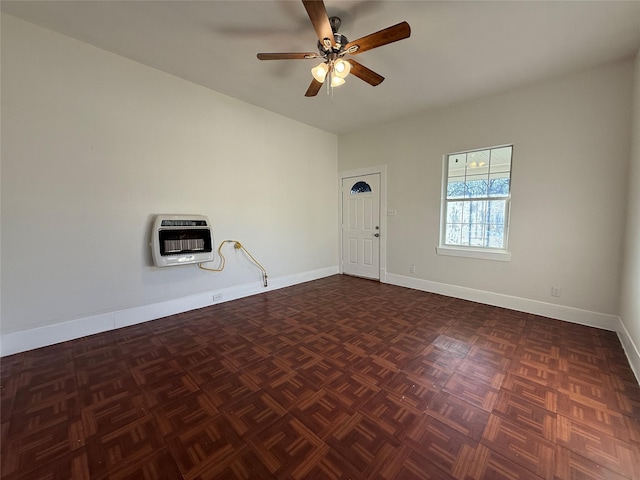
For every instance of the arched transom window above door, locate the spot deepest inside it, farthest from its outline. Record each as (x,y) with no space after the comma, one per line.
(360,187)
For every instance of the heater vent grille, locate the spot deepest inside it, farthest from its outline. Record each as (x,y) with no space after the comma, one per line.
(191,244)
(181,239)
(184,223)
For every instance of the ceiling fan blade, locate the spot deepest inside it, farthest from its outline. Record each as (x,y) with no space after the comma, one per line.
(320,20)
(383,37)
(364,73)
(313,89)
(287,56)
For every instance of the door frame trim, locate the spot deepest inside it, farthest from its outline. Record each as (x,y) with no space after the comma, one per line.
(382,170)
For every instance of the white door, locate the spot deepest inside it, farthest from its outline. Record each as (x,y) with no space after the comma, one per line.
(361,226)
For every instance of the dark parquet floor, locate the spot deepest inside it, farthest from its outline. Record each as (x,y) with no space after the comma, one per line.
(332,379)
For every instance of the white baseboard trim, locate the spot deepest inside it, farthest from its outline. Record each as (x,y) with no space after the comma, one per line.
(16,342)
(559,312)
(630,348)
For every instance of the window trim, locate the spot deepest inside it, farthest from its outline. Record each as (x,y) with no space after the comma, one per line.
(485,253)
(474,252)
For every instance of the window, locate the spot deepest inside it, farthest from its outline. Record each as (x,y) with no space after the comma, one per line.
(360,187)
(475,205)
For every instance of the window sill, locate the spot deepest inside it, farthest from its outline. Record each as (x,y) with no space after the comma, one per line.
(499,255)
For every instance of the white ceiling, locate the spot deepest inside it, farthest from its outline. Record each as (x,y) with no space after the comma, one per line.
(458,50)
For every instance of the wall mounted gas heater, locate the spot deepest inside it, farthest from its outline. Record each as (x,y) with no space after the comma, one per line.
(181,239)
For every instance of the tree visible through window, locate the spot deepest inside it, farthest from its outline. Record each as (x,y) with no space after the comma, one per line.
(476,198)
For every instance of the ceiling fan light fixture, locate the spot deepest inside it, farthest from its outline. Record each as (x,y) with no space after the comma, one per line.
(336,81)
(320,72)
(341,68)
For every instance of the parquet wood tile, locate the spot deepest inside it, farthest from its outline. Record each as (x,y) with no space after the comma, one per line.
(204,446)
(435,367)
(413,390)
(459,415)
(410,464)
(488,358)
(49,359)
(526,414)
(287,447)
(320,372)
(531,391)
(472,391)
(442,445)
(169,390)
(35,393)
(481,372)
(184,412)
(252,413)
(449,344)
(539,369)
(328,466)
(22,452)
(104,417)
(595,414)
(74,466)
(488,464)
(322,411)
(288,389)
(59,410)
(241,463)
(521,445)
(377,370)
(305,383)
(129,445)
(211,371)
(101,373)
(353,389)
(230,388)
(391,413)
(364,443)
(571,466)
(504,347)
(610,452)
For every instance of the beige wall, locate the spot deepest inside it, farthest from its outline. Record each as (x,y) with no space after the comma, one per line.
(93,145)
(571,141)
(630,298)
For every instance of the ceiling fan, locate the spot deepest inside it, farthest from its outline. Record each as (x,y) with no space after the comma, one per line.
(332,48)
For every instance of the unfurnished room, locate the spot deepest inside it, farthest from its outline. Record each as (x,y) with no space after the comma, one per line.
(296,239)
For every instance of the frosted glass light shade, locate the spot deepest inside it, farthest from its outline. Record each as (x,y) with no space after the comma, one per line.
(320,72)
(336,81)
(341,68)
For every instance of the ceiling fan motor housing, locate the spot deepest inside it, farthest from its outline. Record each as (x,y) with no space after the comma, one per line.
(340,41)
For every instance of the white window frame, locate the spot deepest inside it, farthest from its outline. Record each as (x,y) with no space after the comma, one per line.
(486,253)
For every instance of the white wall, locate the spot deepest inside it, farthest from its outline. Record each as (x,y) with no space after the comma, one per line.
(93,145)
(571,141)
(630,297)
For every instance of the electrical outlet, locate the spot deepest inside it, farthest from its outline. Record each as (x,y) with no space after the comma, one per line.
(555,291)
(217,297)
(412,269)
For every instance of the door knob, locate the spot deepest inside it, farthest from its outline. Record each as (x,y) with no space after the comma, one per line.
(376,234)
